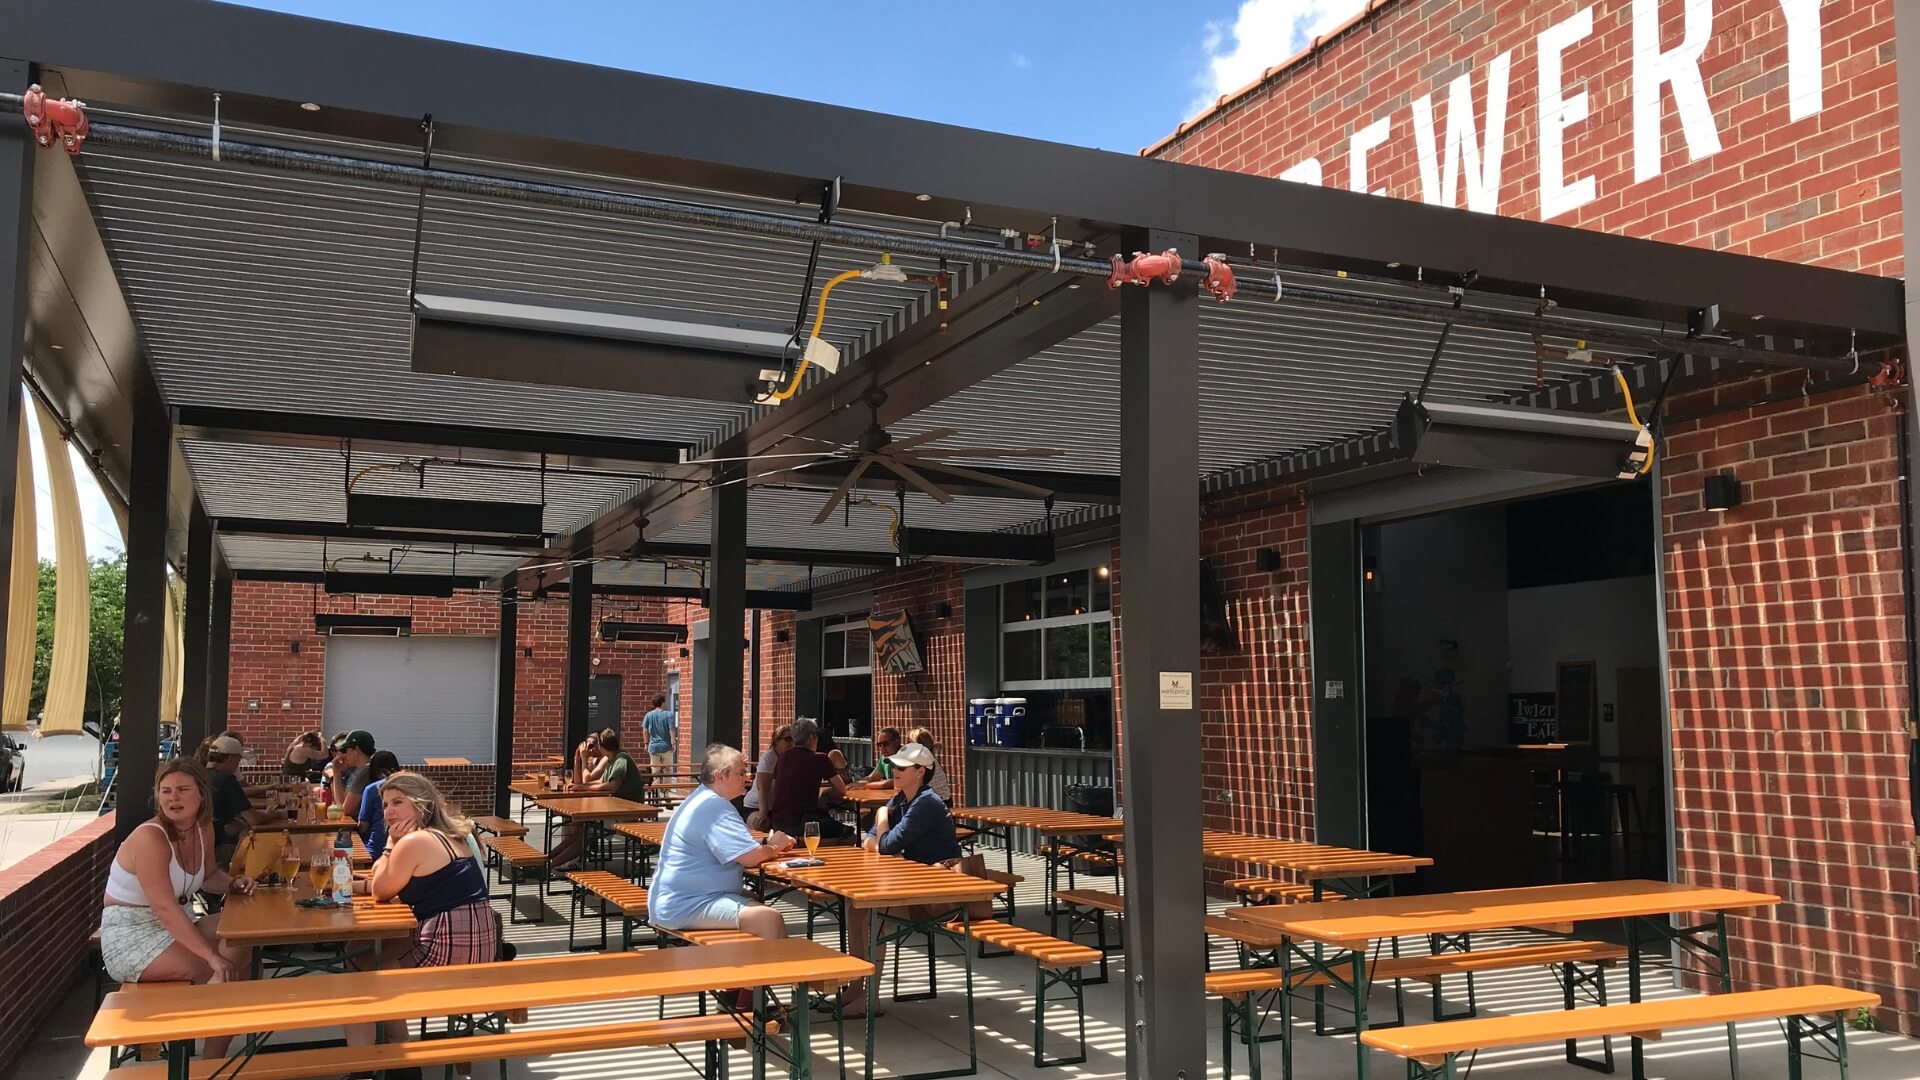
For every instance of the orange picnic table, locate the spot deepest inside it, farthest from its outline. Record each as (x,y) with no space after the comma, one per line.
(284,932)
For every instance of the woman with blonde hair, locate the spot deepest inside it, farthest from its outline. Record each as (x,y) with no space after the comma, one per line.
(146,931)
(429,866)
(940,782)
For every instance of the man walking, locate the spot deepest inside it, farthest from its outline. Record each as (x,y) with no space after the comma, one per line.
(661,726)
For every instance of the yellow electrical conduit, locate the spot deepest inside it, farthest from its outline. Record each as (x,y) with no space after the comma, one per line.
(1626,394)
(23,605)
(883,271)
(893,531)
(67,673)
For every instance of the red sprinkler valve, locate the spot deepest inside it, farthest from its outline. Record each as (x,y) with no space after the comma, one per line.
(1144,267)
(64,119)
(1219,280)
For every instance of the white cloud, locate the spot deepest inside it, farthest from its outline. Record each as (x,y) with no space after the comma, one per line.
(1263,33)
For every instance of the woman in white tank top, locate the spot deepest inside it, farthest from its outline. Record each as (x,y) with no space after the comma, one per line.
(146,932)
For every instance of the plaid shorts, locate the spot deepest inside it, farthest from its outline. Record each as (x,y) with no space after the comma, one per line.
(467,934)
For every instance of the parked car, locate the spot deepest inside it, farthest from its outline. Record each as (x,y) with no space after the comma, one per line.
(13,764)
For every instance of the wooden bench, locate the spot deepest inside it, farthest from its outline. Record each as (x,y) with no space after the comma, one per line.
(341,1060)
(117,1055)
(1241,989)
(1259,890)
(1008,883)
(499,826)
(1083,906)
(1431,1050)
(519,859)
(1055,963)
(613,891)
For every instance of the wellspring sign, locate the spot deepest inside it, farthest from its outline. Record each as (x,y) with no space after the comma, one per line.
(1470,155)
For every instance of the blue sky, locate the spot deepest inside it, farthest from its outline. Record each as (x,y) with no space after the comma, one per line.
(1118,75)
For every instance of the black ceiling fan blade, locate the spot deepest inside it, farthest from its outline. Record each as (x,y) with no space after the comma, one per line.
(921,439)
(977,476)
(906,472)
(839,493)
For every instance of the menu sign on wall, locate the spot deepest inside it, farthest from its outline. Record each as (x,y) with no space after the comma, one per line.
(1530,718)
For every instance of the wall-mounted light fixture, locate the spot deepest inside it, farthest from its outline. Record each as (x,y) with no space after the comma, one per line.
(944,610)
(781,635)
(1266,560)
(1722,493)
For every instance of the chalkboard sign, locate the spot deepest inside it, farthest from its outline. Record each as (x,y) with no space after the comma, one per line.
(1575,701)
(1530,719)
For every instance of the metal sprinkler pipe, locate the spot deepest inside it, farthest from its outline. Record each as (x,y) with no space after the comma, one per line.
(626,204)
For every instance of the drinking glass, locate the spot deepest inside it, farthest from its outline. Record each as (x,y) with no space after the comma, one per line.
(289,866)
(811,833)
(320,872)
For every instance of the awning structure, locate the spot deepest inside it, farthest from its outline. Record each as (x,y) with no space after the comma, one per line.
(219,298)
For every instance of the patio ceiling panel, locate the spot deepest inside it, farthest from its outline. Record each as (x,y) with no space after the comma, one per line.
(275,290)
(783,517)
(1275,378)
(294,483)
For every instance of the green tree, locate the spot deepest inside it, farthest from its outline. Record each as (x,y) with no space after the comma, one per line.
(107,582)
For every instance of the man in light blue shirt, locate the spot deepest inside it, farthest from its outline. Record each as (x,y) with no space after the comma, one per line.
(704,852)
(661,726)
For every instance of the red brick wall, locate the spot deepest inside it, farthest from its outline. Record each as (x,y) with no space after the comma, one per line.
(467,787)
(936,698)
(1821,189)
(49,905)
(269,618)
(1785,624)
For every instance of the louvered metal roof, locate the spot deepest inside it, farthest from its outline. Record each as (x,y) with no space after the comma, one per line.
(783,517)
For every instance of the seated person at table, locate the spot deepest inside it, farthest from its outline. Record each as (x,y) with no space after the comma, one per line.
(429,867)
(796,785)
(351,753)
(620,776)
(915,824)
(886,743)
(704,851)
(306,759)
(761,793)
(590,759)
(146,932)
(942,783)
(233,812)
(373,816)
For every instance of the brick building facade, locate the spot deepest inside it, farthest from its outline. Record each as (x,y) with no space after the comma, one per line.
(1759,126)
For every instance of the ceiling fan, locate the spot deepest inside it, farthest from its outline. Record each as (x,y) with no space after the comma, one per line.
(909,460)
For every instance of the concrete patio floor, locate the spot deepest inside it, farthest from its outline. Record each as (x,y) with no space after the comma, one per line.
(930,1035)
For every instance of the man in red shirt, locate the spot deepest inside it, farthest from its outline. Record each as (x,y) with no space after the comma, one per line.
(796,786)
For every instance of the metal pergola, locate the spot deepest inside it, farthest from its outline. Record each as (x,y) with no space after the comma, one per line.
(223,319)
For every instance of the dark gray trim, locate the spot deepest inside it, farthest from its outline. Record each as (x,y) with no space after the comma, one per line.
(275,528)
(579,659)
(16,231)
(506,668)
(845,604)
(220,645)
(257,427)
(1338,656)
(146,613)
(807,634)
(1085,557)
(1159,411)
(1441,489)
(196,622)
(724,672)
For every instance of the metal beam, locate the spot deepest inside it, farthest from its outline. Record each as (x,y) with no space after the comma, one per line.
(1067,487)
(656,549)
(579,659)
(146,612)
(505,668)
(16,226)
(278,529)
(757,599)
(219,643)
(724,677)
(148,55)
(1160,535)
(316,577)
(1906,28)
(194,721)
(259,427)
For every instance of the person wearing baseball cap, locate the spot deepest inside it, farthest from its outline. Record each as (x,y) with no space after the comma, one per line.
(233,811)
(351,753)
(915,824)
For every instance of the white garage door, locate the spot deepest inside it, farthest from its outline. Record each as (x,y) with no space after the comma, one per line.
(419,696)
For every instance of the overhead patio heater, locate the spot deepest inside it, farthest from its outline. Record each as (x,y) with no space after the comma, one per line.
(1520,439)
(388,585)
(352,625)
(532,341)
(657,633)
(1001,549)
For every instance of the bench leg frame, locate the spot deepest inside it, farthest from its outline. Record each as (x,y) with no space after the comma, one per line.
(1447,1070)
(1077,919)
(1573,978)
(1240,1022)
(1830,1034)
(1045,979)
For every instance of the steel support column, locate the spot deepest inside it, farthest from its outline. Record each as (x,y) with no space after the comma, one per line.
(16,225)
(579,658)
(725,672)
(1906,29)
(194,721)
(146,612)
(219,642)
(503,700)
(1160,535)
(753,691)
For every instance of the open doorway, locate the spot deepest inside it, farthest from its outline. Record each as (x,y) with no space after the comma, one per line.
(1512,654)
